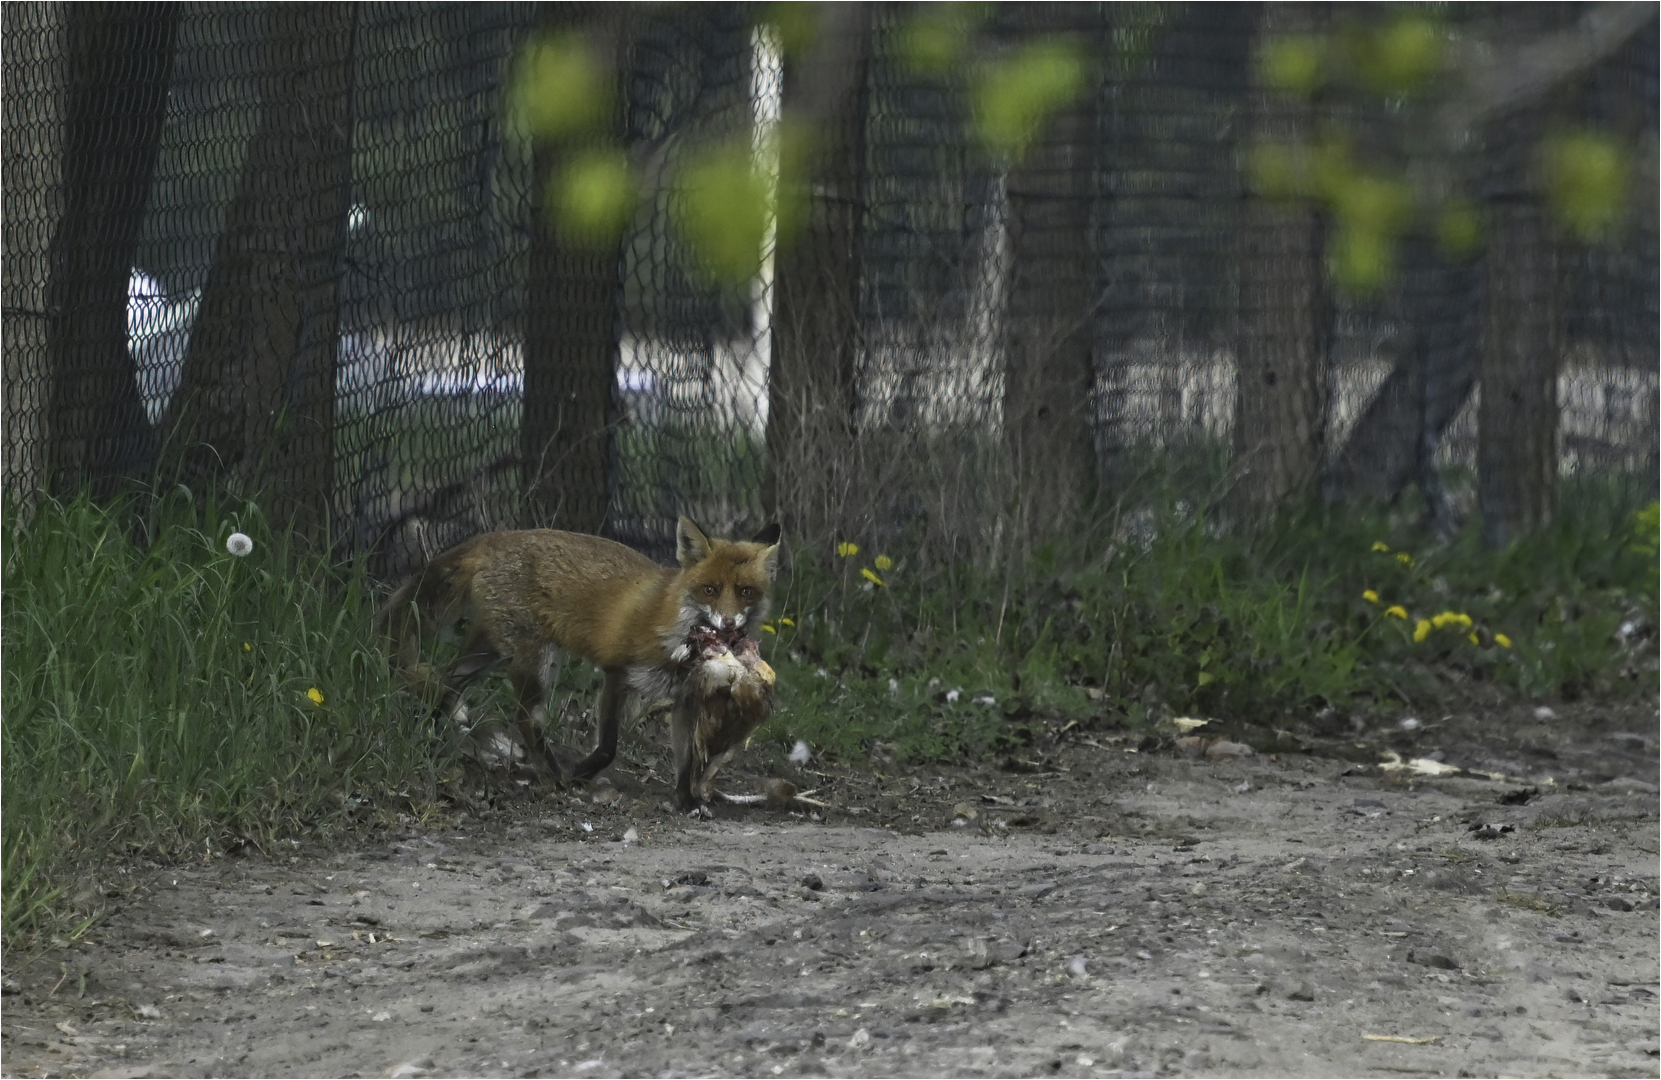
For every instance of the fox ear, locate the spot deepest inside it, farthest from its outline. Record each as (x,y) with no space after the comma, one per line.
(691,545)
(770,558)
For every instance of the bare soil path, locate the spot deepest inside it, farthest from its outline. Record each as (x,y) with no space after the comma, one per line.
(1117,908)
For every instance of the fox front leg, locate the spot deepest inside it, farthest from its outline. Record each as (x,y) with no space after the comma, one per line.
(683,722)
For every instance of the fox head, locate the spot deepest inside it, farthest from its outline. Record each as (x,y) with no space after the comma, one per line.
(729,583)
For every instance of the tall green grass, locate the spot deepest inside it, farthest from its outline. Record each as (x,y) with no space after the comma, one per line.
(1163,611)
(165,696)
(162,696)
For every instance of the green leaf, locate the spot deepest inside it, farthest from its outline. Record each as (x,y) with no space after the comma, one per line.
(1585,176)
(561,88)
(1017,96)
(593,196)
(724,211)
(1292,64)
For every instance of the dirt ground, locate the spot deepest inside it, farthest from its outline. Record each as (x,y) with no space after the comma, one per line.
(1106,904)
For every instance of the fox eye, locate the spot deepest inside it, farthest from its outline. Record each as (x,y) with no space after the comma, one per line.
(746,592)
(710,590)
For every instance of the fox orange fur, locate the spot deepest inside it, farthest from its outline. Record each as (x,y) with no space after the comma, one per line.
(528,594)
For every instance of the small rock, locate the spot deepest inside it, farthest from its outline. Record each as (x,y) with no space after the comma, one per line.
(1433,959)
(1303,991)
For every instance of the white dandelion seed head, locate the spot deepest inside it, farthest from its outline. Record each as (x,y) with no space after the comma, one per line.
(239,544)
(801,753)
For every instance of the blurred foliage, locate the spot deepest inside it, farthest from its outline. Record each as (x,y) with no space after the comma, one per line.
(562,89)
(1586,176)
(593,196)
(1015,96)
(1378,87)
(725,190)
(937,38)
(725,208)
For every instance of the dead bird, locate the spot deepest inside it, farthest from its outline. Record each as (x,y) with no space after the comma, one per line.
(726,696)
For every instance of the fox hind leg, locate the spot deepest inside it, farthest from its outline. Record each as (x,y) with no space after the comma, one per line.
(532,676)
(612,697)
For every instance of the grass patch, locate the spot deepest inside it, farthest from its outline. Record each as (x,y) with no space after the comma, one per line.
(156,698)
(1161,611)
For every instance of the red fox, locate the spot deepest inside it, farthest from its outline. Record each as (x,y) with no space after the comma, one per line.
(526,595)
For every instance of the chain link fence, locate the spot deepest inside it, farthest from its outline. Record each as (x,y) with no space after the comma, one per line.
(302,251)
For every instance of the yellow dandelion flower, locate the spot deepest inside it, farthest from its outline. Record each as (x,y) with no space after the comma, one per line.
(884,562)
(1404,558)
(769,627)
(247,647)
(870,575)
(1396,611)
(1370,596)
(787,622)
(1379,545)
(847,549)
(1474,639)
(316,695)
(1502,641)
(1421,631)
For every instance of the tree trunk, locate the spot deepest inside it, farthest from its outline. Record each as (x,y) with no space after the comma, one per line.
(571,325)
(1280,406)
(1394,442)
(33,117)
(120,61)
(812,395)
(255,408)
(1050,374)
(1522,341)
